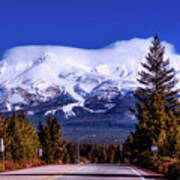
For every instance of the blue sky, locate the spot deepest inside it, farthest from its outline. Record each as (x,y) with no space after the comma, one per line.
(86,23)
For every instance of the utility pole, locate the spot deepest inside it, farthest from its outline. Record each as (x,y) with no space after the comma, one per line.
(2,150)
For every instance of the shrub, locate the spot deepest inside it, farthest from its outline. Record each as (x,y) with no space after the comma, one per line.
(10,165)
(174,172)
(36,162)
(126,161)
(162,164)
(1,167)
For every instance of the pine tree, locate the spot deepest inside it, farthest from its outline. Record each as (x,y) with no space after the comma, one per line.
(72,151)
(1,125)
(41,132)
(45,140)
(51,140)
(66,157)
(118,153)
(56,138)
(158,77)
(170,143)
(157,106)
(111,154)
(1,130)
(21,140)
(103,157)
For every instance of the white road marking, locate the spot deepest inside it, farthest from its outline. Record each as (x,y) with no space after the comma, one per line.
(137,173)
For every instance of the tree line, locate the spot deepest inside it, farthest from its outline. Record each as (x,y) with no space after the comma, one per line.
(102,153)
(23,143)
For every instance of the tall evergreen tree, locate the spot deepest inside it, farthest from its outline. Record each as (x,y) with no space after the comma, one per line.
(41,132)
(1,130)
(157,76)
(111,152)
(51,140)
(21,139)
(1,125)
(156,104)
(72,151)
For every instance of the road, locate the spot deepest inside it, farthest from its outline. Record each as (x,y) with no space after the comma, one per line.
(81,172)
(109,172)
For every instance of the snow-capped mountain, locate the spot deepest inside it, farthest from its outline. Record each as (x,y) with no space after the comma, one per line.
(53,79)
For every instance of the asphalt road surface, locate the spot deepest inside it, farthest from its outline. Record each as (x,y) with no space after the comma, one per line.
(81,172)
(109,172)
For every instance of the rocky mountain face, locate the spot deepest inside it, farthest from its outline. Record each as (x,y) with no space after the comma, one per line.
(90,91)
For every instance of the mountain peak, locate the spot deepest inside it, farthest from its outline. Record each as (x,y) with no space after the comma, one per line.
(78,72)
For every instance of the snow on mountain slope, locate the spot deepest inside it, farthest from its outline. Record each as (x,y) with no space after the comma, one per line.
(34,74)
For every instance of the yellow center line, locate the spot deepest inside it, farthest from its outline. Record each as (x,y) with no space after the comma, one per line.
(65,172)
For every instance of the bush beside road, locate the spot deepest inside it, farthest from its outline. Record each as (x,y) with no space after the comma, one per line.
(174,172)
